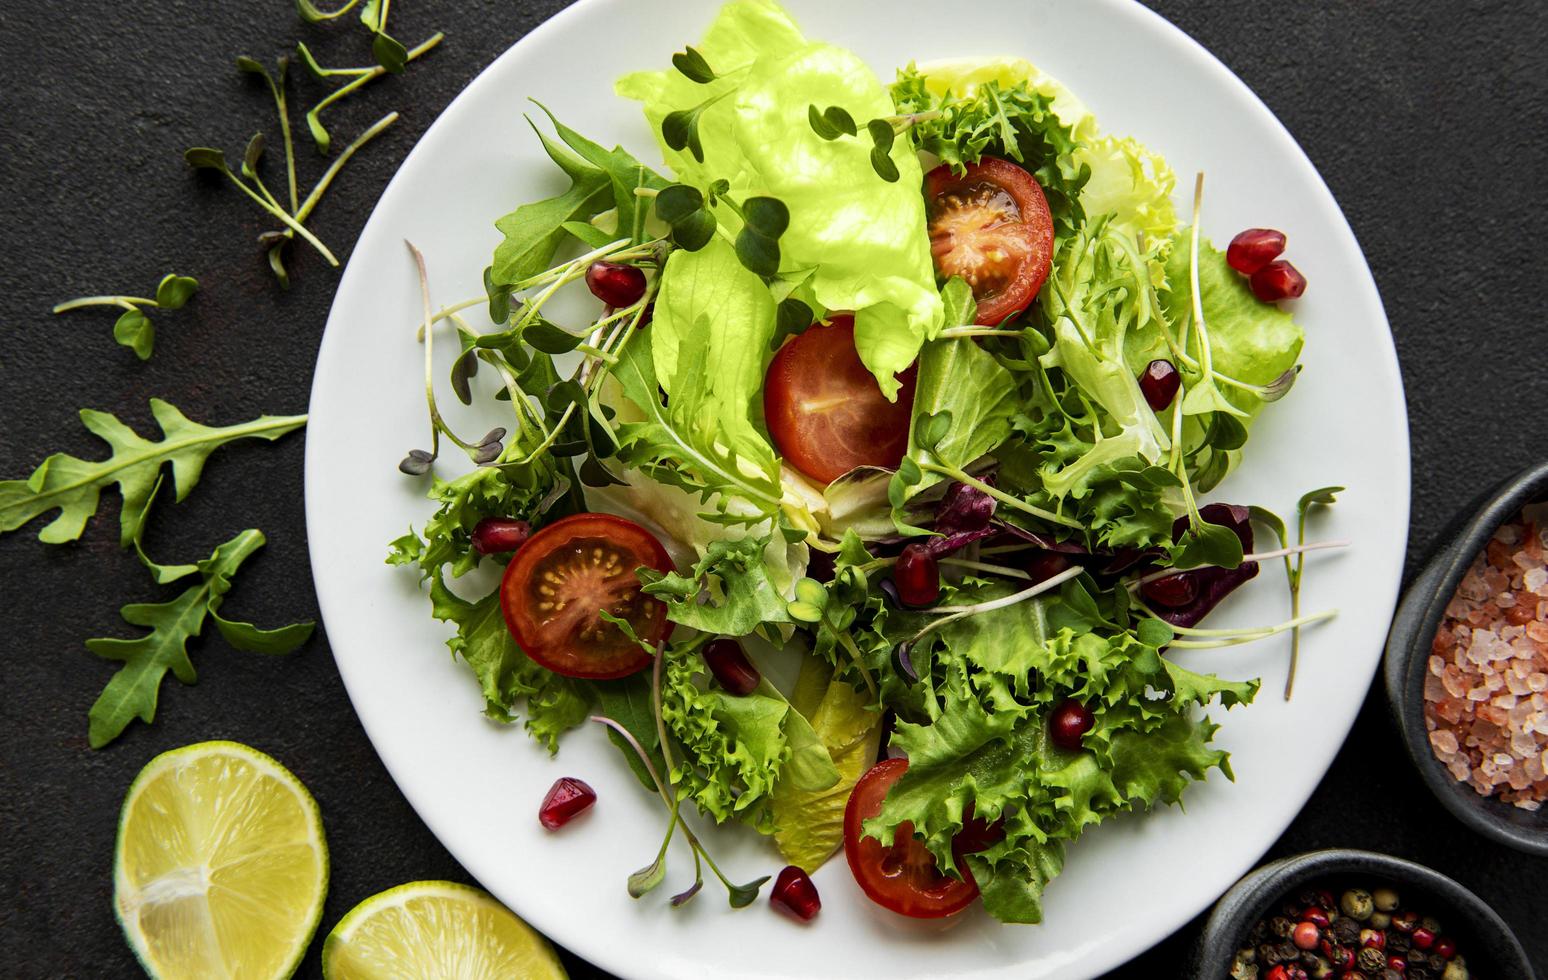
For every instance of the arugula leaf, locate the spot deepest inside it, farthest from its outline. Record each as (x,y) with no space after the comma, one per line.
(72,485)
(533,231)
(132,691)
(627,701)
(554,704)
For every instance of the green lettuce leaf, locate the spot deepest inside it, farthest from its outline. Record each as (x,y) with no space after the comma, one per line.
(809,823)
(858,240)
(733,582)
(1250,341)
(554,704)
(980,743)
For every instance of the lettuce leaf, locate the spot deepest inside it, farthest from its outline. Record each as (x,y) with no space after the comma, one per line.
(978,743)
(858,241)
(733,582)
(809,823)
(554,704)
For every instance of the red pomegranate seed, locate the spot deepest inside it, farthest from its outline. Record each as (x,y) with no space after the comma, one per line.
(917,576)
(1444,947)
(493,535)
(567,798)
(615,284)
(1159,383)
(795,893)
(1316,916)
(731,667)
(1306,935)
(1172,591)
(1423,938)
(1068,723)
(1046,564)
(1276,281)
(1253,249)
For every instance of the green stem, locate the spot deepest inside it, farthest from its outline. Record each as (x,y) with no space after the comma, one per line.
(1238,640)
(951,614)
(288,221)
(1000,495)
(953,333)
(127,302)
(327,178)
(1205,354)
(980,566)
(374,73)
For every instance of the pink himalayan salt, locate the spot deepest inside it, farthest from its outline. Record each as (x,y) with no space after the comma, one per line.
(1485,704)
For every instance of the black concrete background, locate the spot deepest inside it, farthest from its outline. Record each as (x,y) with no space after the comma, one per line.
(1427,120)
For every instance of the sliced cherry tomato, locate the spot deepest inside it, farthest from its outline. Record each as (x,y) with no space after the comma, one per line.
(568,573)
(825,410)
(992,227)
(902,877)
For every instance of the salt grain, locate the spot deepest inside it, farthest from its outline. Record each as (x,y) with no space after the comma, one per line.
(1486,688)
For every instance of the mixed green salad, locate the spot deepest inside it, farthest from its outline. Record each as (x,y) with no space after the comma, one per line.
(922,385)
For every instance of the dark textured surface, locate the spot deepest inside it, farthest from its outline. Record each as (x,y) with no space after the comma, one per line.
(1426,119)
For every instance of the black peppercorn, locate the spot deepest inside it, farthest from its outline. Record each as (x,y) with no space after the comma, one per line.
(1390,974)
(1346,931)
(1281,926)
(1371,960)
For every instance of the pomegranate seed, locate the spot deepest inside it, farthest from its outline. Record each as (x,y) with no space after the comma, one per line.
(615,284)
(1046,564)
(795,893)
(918,577)
(1172,590)
(1374,938)
(1253,249)
(731,667)
(1397,964)
(1159,383)
(1315,916)
(493,535)
(1068,723)
(1306,935)
(1444,947)
(567,798)
(1423,939)
(1276,281)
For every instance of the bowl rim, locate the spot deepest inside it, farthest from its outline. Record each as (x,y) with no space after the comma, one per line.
(1247,900)
(1407,657)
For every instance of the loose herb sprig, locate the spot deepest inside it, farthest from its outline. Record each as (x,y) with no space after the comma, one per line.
(1321,497)
(835,122)
(133,328)
(389,53)
(360,77)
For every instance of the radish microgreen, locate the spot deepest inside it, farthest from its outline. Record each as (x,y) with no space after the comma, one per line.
(133,329)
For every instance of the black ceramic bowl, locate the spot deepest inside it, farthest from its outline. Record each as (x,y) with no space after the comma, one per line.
(1408,653)
(1490,949)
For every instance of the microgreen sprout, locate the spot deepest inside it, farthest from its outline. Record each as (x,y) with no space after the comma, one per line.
(1321,497)
(693,66)
(950,614)
(133,328)
(680,129)
(360,77)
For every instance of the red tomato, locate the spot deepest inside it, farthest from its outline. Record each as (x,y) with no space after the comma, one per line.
(824,409)
(991,226)
(567,573)
(903,877)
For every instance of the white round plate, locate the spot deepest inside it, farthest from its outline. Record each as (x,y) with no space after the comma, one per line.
(477,785)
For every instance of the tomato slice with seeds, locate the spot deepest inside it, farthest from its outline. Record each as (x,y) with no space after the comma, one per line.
(824,409)
(992,227)
(569,572)
(903,877)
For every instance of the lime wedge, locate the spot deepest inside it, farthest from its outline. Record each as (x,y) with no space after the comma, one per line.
(221,866)
(436,929)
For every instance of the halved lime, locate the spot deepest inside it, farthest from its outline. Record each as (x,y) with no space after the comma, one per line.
(221,866)
(436,929)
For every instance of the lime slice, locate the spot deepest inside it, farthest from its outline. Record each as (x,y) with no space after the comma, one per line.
(436,929)
(221,867)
